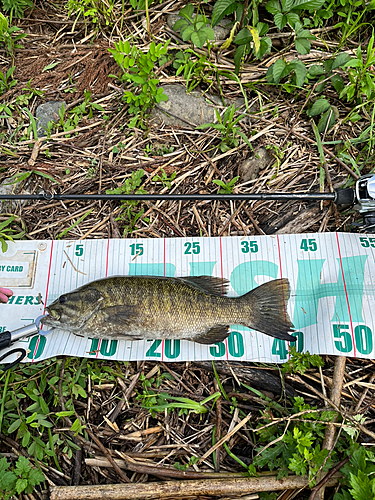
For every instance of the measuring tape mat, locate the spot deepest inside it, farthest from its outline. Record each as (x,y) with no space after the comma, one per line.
(332,302)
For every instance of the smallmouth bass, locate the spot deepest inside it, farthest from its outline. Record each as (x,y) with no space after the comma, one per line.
(151,307)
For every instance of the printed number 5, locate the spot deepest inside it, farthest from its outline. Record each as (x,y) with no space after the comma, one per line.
(79,250)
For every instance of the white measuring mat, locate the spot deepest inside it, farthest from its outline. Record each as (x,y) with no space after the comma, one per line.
(332,302)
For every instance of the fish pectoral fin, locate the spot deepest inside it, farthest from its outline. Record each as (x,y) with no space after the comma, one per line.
(120,314)
(215,334)
(208,284)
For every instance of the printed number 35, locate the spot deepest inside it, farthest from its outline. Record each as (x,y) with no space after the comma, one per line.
(249,246)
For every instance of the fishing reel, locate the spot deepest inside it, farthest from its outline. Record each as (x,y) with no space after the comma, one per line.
(363,198)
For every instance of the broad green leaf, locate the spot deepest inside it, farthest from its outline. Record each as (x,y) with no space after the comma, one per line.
(273,6)
(21,485)
(287,5)
(244,36)
(265,47)
(338,83)
(221,9)
(353,63)
(316,70)
(262,28)
(319,107)
(180,23)
(303,46)
(280,20)
(277,69)
(307,4)
(187,11)
(186,32)
(292,19)
(323,124)
(300,71)
(198,38)
(340,60)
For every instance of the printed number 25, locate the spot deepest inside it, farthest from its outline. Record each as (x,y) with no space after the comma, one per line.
(192,247)
(249,246)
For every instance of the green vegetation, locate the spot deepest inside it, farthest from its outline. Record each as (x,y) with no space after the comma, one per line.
(9,229)
(20,479)
(8,36)
(128,215)
(194,27)
(229,129)
(138,68)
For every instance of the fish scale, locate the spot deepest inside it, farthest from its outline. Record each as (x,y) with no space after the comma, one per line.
(147,307)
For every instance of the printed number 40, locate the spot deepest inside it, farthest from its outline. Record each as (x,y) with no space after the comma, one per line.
(309,245)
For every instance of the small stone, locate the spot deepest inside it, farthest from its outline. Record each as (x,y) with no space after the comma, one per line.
(249,170)
(49,111)
(194,108)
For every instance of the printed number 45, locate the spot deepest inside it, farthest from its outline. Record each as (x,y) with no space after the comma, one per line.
(310,244)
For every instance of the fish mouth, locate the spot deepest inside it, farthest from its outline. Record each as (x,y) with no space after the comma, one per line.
(52,317)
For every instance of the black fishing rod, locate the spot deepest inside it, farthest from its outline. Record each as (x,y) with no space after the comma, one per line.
(179,197)
(363,196)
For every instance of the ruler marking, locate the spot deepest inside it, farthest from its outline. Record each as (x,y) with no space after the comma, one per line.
(346,295)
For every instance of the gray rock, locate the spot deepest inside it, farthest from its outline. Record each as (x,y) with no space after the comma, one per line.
(221,30)
(49,111)
(193,108)
(249,170)
(9,187)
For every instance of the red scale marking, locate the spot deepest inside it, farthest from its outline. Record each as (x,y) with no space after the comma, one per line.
(281,276)
(162,342)
(222,279)
(346,295)
(106,274)
(45,300)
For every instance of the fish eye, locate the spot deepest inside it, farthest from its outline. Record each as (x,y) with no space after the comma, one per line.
(62,299)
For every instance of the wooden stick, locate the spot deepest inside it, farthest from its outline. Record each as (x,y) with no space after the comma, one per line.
(180,489)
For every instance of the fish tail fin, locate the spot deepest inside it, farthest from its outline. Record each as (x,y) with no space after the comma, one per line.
(268,304)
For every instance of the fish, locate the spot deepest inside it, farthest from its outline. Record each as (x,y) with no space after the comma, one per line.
(154,307)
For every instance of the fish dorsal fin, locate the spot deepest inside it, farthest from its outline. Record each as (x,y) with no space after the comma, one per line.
(208,284)
(215,334)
